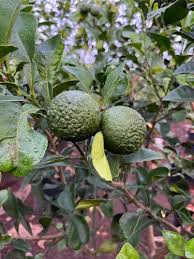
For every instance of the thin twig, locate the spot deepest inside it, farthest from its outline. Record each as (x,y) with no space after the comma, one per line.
(150,74)
(80,151)
(154,121)
(151,240)
(133,86)
(169,113)
(52,141)
(46,237)
(140,205)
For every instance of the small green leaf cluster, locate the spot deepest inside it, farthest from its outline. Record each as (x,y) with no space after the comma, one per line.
(177,245)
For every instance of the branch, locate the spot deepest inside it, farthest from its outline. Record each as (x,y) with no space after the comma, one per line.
(154,121)
(80,151)
(169,113)
(52,141)
(151,240)
(148,68)
(140,205)
(46,237)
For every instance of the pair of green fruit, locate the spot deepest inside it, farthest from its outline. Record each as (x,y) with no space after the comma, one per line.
(75,116)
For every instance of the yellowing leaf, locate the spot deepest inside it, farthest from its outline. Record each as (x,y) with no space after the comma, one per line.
(99,159)
(107,247)
(87,203)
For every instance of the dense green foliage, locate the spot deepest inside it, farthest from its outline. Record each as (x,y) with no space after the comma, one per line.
(137,54)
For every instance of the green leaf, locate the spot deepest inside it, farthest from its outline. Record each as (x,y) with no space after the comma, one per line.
(21,245)
(39,256)
(176,12)
(8,14)
(30,144)
(57,89)
(143,256)
(172,13)
(82,75)
(107,208)
(99,159)
(15,208)
(61,245)
(21,146)
(180,59)
(29,72)
(65,200)
(134,37)
(189,248)
(179,115)
(9,116)
(53,160)
(157,12)
(132,223)
(4,194)
(11,98)
(164,129)
(45,222)
(25,223)
(185,216)
(179,201)
(26,8)
(11,206)
(79,232)
(186,35)
(180,94)
(107,247)
(158,172)
(175,242)
(114,162)
(6,49)
(171,256)
(15,254)
(116,231)
(48,58)
(82,228)
(88,203)
(24,36)
(7,155)
(162,41)
(128,252)
(142,155)
(97,182)
(111,83)
(4,240)
(187,68)
(73,240)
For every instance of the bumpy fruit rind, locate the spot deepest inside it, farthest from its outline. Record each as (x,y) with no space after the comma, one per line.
(123,129)
(74,115)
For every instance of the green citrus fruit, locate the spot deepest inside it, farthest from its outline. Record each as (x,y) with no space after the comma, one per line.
(123,129)
(74,115)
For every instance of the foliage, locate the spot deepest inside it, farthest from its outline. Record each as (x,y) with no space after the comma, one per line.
(127,251)
(177,245)
(132,53)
